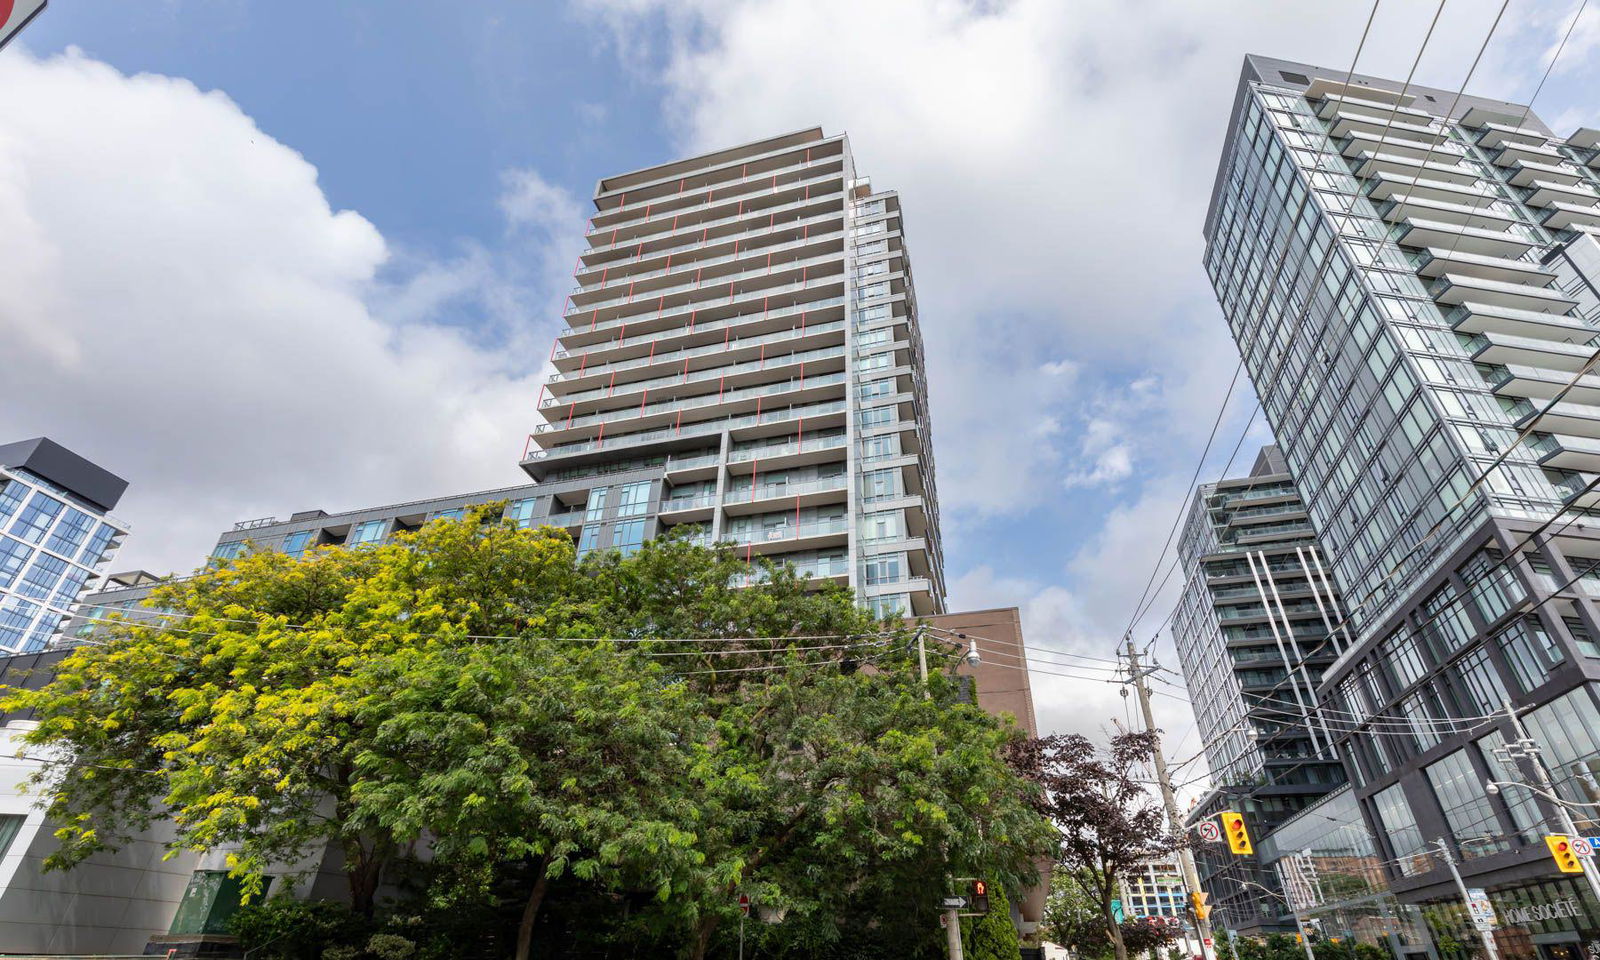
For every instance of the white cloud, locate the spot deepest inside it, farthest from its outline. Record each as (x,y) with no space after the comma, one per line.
(183,306)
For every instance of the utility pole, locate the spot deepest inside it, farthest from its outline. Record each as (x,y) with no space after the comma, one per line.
(1466,898)
(952,915)
(1526,748)
(1191,876)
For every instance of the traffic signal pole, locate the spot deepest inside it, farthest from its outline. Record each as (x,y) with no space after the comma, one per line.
(1191,876)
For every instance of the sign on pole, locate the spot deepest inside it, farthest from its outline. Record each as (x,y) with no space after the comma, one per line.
(953,903)
(1481,910)
(744,898)
(1582,847)
(15,14)
(1209,831)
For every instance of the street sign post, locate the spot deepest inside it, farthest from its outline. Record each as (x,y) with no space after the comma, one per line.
(744,911)
(16,14)
(1481,910)
(953,903)
(1209,831)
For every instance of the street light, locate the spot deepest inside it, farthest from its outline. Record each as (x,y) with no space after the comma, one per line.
(1492,787)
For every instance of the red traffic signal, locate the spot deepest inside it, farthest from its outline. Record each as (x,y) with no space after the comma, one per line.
(978,896)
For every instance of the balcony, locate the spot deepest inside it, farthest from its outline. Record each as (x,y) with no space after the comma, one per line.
(832,410)
(1455,289)
(1544,193)
(1472,317)
(1525,173)
(1388,186)
(727,347)
(1497,135)
(1565,216)
(796,294)
(1336,103)
(748,318)
(1488,218)
(777,455)
(672,221)
(1575,490)
(1584,138)
(739,222)
(1417,232)
(1540,383)
(641,209)
(1359,143)
(737,370)
(1372,162)
(1500,348)
(761,497)
(792,536)
(690,267)
(1569,419)
(1390,128)
(1437,262)
(628,295)
(637,257)
(1566,452)
(1514,153)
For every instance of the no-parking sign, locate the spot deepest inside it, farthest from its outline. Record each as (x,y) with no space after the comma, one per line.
(15,14)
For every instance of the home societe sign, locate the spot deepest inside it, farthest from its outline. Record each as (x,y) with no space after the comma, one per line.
(1566,909)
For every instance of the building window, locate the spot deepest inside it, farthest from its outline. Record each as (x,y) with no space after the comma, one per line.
(455,513)
(1405,838)
(628,536)
(94,553)
(372,531)
(589,539)
(881,526)
(1581,638)
(633,499)
(229,551)
(884,569)
(10,826)
(14,556)
(70,533)
(1568,731)
(880,484)
(520,512)
(875,448)
(1524,808)
(1490,584)
(35,519)
(1445,622)
(597,503)
(1477,684)
(16,616)
(295,544)
(894,605)
(1459,788)
(11,496)
(1530,651)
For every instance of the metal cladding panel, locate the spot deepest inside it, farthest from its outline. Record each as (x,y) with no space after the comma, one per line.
(45,458)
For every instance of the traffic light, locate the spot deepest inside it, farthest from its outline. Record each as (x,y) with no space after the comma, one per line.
(1561,850)
(1202,908)
(1238,836)
(978,896)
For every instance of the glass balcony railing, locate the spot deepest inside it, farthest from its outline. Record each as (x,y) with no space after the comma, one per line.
(702,429)
(674,356)
(698,376)
(689,503)
(801,223)
(789,531)
(737,320)
(649,203)
(713,283)
(693,265)
(772,491)
(758,296)
(704,225)
(692,403)
(785,449)
(673,219)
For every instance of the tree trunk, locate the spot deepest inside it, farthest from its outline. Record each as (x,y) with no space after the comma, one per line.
(702,939)
(363,869)
(530,911)
(1115,930)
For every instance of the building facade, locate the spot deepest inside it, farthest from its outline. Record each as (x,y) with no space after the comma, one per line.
(1409,276)
(743,339)
(1257,602)
(56,533)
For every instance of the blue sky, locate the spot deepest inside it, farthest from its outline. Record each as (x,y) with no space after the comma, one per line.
(271,256)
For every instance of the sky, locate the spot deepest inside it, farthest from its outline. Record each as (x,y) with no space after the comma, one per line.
(259,257)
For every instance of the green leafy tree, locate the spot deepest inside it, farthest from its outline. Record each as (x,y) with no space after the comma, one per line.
(638,726)
(991,936)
